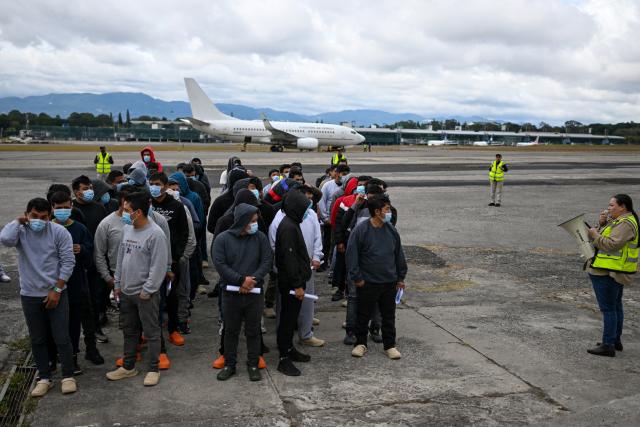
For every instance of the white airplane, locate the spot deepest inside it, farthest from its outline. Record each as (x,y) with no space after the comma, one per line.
(440,142)
(480,144)
(529,144)
(304,136)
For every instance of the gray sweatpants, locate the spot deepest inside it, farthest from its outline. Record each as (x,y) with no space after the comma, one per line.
(305,318)
(184,291)
(138,315)
(495,191)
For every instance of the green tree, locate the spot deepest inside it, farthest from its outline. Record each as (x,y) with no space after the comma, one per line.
(120,120)
(128,122)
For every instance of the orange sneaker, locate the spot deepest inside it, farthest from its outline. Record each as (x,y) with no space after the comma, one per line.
(176,339)
(261,363)
(120,360)
(218,363)
(163,362)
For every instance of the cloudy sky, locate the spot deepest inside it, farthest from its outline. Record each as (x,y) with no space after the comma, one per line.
(549,60)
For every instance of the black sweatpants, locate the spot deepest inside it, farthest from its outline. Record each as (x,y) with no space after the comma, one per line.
(339,271)
(172,300)
(384,295)
(288,320)
(326,243)
(238,308)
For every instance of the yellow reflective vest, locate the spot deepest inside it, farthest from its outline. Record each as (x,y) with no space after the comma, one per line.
(496,173)
(337,158)
(103,165)
(624,260)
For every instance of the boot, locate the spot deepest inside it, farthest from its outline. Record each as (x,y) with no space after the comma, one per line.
(287,367)
(618,346)
(603,350)
(296,356)
(94,356)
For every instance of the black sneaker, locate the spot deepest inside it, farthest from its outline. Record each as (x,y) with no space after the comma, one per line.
(603,350)
(286,366)
(94,356)
(492,204)
(254,373)
(101,337)
(618,346)
(375,335)
(76,369)
(337,296)
(296,356)
(183,328)
(349,339)
(497,205)
(226,373)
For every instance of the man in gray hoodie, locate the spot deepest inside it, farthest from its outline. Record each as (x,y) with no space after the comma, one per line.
(140,271)
(243,258)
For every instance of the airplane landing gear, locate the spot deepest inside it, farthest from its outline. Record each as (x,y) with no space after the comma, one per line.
(277,148)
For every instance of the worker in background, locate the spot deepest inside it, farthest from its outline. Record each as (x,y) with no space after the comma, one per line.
(339,157)
(496,179)
(103,162)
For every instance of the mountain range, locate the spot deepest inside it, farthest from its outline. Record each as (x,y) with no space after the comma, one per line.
(140,104)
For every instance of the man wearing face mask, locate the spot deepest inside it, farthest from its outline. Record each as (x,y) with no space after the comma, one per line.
(242,257)
(148,156)
(102,194)
(139,275)
(45,264)
(377,267)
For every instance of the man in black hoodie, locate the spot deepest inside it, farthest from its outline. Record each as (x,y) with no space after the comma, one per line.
(242,256)
(225,200)
(294,269)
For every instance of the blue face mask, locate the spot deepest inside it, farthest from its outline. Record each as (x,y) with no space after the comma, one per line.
(387,217)
(194,177)
(106,198)
(37,224)
(126,218)
(155,191)
(87,195)
(131,182)
(146,158)
(119,186)
(253,228)
(62,215)
(256,193)
(360,189)
(275,178)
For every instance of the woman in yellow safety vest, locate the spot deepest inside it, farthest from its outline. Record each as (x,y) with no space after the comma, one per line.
(616,259)
(103,162)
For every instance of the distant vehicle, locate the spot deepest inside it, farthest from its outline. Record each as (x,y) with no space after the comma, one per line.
(441,142)
(480,144)
(304,136)
(529,144)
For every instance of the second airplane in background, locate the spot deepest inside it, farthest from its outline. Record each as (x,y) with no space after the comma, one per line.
(305,136)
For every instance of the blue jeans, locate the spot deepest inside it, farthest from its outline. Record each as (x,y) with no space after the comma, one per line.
(609,295)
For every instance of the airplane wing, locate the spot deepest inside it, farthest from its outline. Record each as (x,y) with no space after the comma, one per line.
(278,134)
(192,121)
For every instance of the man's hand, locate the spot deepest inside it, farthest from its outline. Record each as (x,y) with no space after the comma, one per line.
(315,264)
(400,285)
(76,249)
(299,293)
(111,282)
(359,283)
(145,296)
(341,247)
(51,301)
(170,276)
(116,294)
(248,284)
(22,219)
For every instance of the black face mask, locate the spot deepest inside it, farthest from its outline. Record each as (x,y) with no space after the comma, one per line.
(339,183)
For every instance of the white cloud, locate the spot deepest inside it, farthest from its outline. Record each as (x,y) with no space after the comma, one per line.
(536,59)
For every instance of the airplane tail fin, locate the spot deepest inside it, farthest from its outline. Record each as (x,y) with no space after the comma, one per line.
(202,108)
(537,141)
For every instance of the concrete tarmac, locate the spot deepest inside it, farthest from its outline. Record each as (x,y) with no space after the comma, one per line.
(493,329)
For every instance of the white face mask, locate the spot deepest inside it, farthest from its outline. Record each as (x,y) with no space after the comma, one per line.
(174,193)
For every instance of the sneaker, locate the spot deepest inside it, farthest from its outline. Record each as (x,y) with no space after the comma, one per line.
(151,379)
(349,339)
(254,373)
(94,356)
(205,265)
(316,322)
(68,385)
(313,342)
(218,363)
(101,337)
(497,205)
(261,363)
(359,350)
(344,303)
(226,373)
(269,313)
(202,290)
(618,346)
(184,328)
(76,369)
(492,204)
(163,362)
(296,356)
(41,388)
(121,373)
(176,339)
(286,366)
(393,353)
(5,279)
(375,336)
(337,296)
(603,350)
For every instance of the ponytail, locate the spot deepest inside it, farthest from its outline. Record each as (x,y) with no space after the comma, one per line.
(624,199)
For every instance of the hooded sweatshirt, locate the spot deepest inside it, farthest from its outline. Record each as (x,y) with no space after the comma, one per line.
(152,154)
(100,188)
(185,191)
(94,212)
(173,211)
(226,221)
(225,200)
(291,257)
(349,188)
(237,255)
(138,175)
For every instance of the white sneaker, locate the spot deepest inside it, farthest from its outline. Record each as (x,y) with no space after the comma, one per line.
(151,379)
(393,353)
(202,290)
(121,373)
(359,350)
(41,388)
(4,278)
(313,342)
(205,264)
(316,321)
(269,313)
(68,385)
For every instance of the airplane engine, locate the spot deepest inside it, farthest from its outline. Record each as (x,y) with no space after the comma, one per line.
(307,143)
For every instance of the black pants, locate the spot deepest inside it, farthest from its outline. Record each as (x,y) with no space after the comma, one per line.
(270,293)
(97,288)
(326,243)
(87,319)
(238,308)
(384,295)
(172,300)
(339,271)
(288,320)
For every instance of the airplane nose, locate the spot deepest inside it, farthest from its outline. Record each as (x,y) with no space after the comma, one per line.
(362,138)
